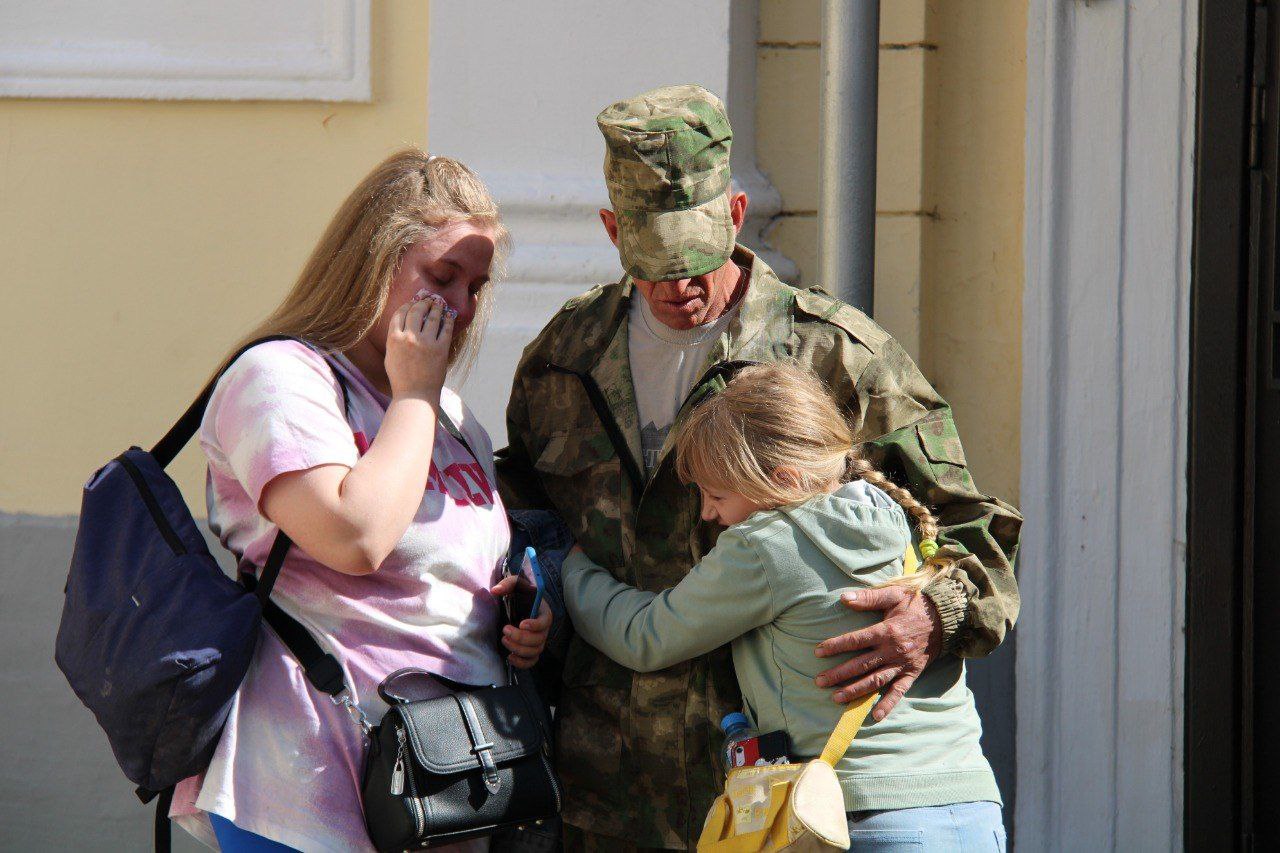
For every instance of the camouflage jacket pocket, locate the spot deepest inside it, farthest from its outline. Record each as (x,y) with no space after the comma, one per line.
(940,441)
(569,452)
(582,475)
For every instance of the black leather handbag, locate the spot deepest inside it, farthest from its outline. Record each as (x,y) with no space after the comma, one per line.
(458,766)
(468,764)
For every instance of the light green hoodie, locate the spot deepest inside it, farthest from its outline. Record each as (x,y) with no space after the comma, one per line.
(772,587)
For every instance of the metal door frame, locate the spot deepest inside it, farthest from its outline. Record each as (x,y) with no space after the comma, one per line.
(1219,779)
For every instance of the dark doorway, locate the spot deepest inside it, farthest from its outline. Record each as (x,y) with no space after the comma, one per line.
(1233,500)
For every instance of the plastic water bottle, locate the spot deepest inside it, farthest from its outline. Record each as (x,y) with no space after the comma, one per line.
(736,753)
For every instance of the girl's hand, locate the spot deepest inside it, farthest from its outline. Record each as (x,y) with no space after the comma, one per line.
(526,640)
(418,343)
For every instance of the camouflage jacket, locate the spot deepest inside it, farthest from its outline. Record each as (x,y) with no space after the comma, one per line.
(637,753)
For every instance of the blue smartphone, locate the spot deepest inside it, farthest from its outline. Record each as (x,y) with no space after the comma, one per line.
(526,600)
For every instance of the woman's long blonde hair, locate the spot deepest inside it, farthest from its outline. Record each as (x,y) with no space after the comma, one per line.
(343,287)
(777,437)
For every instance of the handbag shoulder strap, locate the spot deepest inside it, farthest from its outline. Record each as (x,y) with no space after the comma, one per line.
(856,714)
(452,428)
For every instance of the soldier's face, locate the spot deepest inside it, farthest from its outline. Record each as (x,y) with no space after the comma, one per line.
(725,507)
(683,303)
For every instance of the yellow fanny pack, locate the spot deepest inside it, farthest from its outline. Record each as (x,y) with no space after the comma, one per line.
(793,807)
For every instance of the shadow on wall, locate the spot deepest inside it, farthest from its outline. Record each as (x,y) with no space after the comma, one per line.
(60,787)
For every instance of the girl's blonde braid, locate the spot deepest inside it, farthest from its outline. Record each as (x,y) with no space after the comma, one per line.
(926,523)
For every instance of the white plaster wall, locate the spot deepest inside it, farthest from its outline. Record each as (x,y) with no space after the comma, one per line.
(1099,670)
(518,102)
(207,49)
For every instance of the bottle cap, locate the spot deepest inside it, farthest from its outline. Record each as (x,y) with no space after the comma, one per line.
(733,722)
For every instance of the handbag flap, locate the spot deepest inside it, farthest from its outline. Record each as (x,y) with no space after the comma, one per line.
(817,805)
(442,741)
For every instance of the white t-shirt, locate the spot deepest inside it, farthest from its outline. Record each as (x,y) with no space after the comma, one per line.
(289,762)
(665,362)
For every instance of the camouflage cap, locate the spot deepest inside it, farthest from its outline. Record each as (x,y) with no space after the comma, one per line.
(667,167)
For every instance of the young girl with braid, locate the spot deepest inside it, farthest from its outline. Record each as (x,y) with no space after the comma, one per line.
(808,521)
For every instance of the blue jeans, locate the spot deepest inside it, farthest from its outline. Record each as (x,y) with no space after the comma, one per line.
(959,827)
(233,839)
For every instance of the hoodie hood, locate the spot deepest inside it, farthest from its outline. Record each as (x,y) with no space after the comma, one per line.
(858,527)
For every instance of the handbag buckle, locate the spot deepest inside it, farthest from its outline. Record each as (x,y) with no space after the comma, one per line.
(343,699)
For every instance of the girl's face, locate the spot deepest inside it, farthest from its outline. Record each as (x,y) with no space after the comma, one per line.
(725,507)
(452,263)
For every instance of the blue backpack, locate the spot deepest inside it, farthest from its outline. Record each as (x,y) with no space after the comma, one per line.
(155,638)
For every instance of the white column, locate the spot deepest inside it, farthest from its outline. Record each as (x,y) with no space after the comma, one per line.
(514,92)
(1108,234)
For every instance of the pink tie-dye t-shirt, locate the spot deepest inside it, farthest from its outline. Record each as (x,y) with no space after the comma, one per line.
(289,761)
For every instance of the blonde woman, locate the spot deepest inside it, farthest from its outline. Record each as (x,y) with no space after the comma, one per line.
(809,522)
(399,532)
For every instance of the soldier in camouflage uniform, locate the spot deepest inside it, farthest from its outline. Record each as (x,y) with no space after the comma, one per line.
(637,752)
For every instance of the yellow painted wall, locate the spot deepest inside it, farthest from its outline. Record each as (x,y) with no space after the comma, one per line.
(949,194)
(138,239)
(974,167)
(787,119)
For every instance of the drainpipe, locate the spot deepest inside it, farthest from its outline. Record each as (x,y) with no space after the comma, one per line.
(847,204)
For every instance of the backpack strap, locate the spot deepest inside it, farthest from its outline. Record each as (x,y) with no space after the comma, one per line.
(162,831)
(322,670)
(167,448)
(855,715)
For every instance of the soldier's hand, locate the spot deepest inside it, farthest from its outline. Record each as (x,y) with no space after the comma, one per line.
(893,652)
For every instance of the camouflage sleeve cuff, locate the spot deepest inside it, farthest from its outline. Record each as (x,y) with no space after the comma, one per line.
(948,597)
